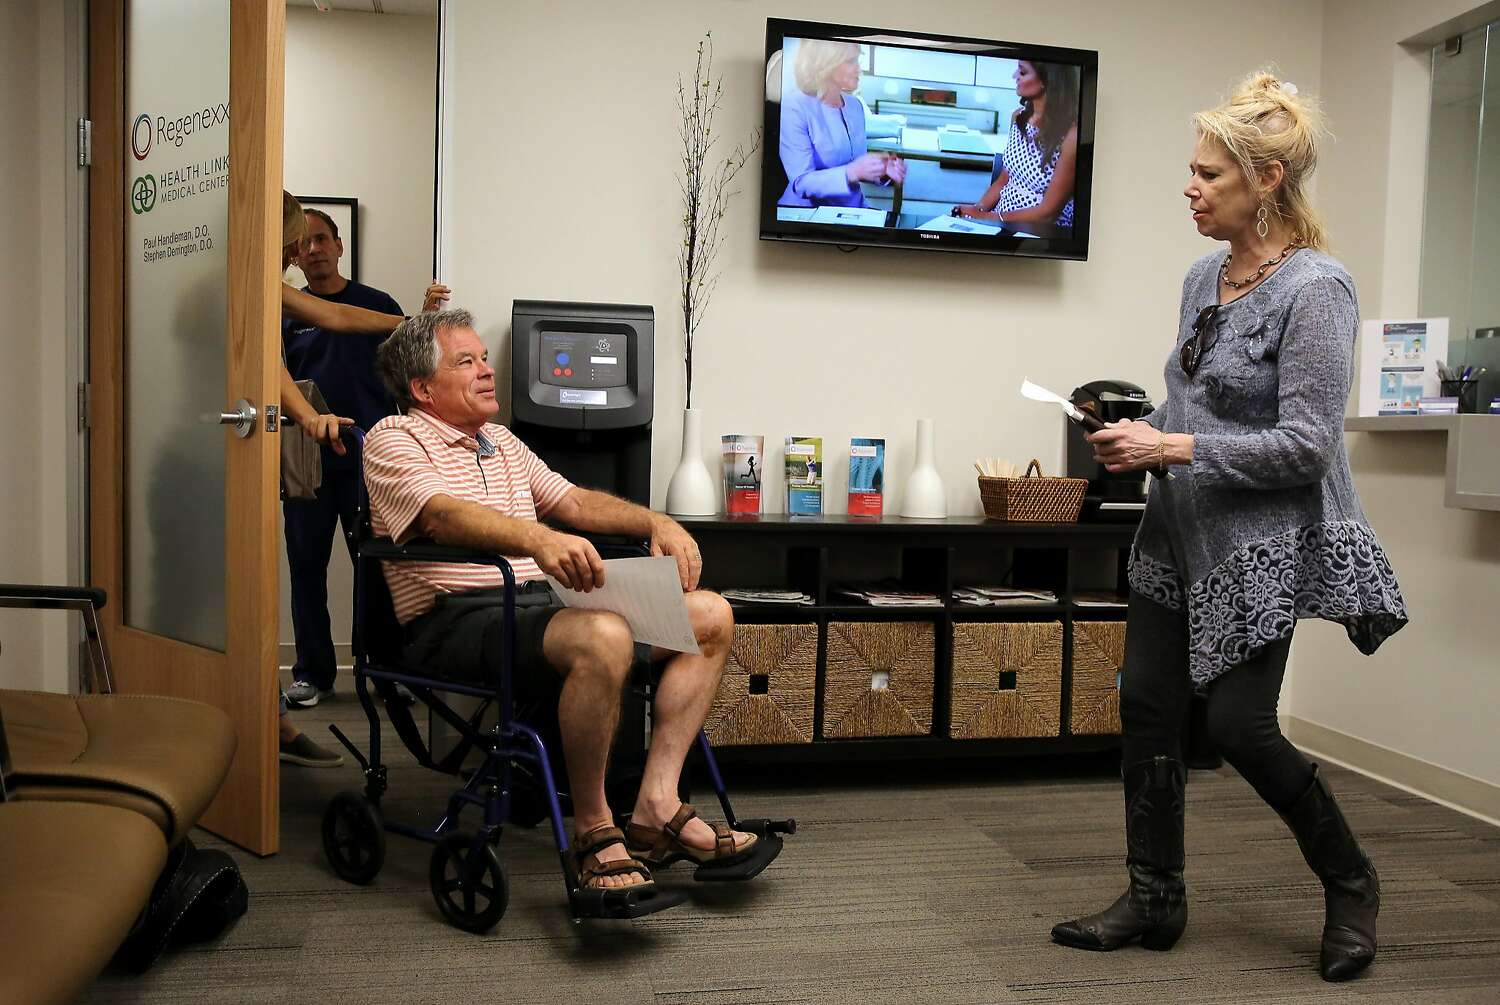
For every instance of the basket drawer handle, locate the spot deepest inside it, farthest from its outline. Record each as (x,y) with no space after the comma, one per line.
(1036,466)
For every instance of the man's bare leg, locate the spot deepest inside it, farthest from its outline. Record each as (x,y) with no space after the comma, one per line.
(593,651)
(686,691)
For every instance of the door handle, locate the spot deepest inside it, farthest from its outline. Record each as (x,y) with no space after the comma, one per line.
(242,418)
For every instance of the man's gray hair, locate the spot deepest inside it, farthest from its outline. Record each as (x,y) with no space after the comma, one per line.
(412,351)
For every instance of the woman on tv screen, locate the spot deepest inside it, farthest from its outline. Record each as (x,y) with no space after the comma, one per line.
(823,130)
(1035,186)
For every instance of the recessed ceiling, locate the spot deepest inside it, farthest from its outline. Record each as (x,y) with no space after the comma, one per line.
(425,8)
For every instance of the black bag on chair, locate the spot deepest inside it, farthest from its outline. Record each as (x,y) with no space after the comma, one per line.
(198,895)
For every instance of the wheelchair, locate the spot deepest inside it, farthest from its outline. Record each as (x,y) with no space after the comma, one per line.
(515,781)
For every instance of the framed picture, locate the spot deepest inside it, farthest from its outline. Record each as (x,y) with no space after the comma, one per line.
(344,212)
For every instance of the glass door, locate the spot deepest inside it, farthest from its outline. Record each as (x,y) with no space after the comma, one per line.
(185,241)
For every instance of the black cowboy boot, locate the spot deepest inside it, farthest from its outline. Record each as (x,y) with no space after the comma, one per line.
(1154,908)
(1351,889)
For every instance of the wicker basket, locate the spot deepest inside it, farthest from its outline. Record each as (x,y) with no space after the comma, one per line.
(1098,652)
(1030,499)
(1007,679)
(879,679)
(767,691)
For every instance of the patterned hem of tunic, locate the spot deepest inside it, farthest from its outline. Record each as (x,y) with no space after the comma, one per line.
(1333,571)
(1154,580)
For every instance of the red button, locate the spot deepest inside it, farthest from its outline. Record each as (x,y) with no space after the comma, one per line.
(556,372)
(568,372)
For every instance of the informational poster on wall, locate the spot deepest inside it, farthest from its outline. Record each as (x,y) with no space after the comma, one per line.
(176,157)
(1398,363)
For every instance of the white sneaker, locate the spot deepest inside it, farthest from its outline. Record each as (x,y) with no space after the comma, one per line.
(306,694)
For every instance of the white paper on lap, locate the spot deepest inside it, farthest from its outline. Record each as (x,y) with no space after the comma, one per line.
(647,593)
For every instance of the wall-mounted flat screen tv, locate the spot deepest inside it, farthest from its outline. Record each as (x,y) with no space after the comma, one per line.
(904,139)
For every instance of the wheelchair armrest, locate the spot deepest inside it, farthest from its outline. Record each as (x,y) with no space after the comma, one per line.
(26,595)
(617,545)
(423,550)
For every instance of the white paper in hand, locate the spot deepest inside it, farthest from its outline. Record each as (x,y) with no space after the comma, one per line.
(647,593)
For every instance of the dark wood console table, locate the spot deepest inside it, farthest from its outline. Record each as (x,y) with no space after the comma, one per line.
(815,555)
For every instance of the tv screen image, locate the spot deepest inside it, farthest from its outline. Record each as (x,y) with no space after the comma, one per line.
(904,139)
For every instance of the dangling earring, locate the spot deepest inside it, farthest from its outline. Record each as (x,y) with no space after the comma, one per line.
(1261,227)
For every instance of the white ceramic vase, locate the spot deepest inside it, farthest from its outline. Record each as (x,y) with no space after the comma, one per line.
(692,490)
(925,497)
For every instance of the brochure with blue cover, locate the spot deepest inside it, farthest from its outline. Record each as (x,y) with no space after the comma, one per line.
(866,476)
(804,475)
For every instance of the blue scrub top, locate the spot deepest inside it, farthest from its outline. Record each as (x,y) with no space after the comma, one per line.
(343,366)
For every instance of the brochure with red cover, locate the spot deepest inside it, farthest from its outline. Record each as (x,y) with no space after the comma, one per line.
(744,458)
(866,476)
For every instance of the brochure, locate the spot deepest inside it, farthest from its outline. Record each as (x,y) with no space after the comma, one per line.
(1398,364)
(866,476)
(743,457)
(804,475)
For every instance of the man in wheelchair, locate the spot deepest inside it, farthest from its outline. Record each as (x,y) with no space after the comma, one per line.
(444,470)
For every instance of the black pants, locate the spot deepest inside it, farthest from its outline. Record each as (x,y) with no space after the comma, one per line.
(1155,692)
(310,528)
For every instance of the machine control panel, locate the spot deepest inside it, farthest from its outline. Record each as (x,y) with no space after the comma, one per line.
(583,366)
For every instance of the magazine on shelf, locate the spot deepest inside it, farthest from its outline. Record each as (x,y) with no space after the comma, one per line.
(1098,598)
(743,464)
(1001,596)
(866,476)
(890,597)
(763,596)
(804,475)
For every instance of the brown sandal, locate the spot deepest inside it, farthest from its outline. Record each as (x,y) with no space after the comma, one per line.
(586,848)
(660,848)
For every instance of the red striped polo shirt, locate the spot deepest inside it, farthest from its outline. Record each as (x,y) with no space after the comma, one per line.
(411,458)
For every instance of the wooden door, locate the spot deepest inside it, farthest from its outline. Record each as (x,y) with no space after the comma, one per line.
(184,321)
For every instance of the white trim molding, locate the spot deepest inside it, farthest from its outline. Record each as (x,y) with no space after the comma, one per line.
(1454,789)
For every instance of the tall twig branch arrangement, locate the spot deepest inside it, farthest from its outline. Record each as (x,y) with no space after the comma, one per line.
(706,193)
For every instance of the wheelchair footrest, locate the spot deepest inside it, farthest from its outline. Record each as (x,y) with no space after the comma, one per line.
(765,852)
(616,906)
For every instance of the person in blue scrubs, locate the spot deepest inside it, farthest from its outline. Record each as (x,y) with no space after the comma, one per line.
(342,365)
(823,131)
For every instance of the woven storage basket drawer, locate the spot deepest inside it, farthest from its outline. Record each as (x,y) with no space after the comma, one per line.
(781,662)
(1007,680)
(1098,652)
(862,655)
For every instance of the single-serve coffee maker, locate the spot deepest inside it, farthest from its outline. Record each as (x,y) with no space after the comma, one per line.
(1117,496)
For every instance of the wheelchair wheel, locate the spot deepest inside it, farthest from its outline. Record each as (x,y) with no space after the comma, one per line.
(354,837)
(468,883)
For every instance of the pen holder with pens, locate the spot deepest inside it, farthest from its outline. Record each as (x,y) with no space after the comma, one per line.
(1032,498)
(1466,391)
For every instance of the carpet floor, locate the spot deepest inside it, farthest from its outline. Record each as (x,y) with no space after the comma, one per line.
(933,883)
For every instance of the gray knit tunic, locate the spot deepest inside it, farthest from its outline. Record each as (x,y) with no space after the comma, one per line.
(1264,526)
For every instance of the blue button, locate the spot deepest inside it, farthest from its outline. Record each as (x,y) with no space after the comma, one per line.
(562,359)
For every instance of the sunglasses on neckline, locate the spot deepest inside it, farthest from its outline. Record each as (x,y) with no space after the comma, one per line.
(1197,345)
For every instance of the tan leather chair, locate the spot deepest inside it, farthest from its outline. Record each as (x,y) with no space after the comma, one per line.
(163,758)
(76,877)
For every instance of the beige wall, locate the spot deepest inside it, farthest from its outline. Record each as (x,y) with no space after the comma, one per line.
(36,411)
(1429,694)
(803,339)
(360,99)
